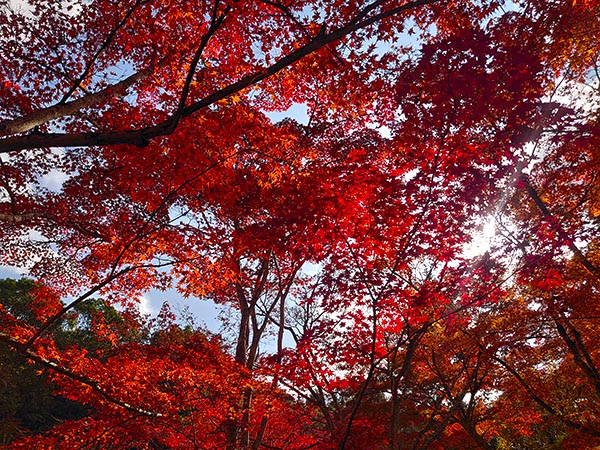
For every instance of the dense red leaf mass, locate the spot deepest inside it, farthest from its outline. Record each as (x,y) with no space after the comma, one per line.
(141,148)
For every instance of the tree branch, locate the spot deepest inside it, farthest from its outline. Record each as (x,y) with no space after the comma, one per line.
(142,137)
(95,386)
(542,403)
(45,115)
(579,256)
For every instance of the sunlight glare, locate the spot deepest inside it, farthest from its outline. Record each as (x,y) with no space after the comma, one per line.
(482,239)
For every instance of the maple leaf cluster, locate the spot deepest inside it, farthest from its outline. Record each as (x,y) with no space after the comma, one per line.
(149,144)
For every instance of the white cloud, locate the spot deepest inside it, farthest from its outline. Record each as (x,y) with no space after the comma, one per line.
(145,306)
(12,271)
(20,5)
(54,180)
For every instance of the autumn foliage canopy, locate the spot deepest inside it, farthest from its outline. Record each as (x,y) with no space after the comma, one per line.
(322,170)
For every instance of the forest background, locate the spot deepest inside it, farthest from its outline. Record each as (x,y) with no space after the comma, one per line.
(149,145)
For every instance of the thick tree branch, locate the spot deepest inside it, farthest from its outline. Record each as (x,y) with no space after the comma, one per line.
(142,137)
(45,115)
(30,218)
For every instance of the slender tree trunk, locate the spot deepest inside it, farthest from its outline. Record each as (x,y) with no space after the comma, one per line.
(234,430)
(479,440)
(244,428)
(394,415)
(231,435)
